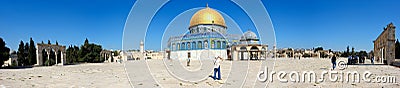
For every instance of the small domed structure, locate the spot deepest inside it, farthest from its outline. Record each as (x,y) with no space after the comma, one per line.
(249,35)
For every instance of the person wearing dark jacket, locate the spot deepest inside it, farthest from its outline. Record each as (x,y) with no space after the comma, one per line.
(333,60)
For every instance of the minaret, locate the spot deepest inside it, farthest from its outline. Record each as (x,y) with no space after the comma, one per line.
(141,47)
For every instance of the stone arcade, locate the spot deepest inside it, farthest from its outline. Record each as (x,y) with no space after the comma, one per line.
(49,47)
(107,55)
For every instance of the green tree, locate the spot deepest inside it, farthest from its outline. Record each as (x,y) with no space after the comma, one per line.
(72,54)
(32,52)
(82,53)
(4,52)
(58,55)
(26,52)
(20,54)
(90,52)
(362,53)
(44,56)
(116,53)
(352,51)
(86,42)
(318,49)
(52,59)
(76,53)
(48,42)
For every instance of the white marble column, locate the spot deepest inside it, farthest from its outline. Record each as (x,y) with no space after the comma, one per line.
(48,55)
(37,57)
(62,58)
(56,56)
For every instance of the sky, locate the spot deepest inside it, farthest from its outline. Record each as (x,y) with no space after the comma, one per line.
(332,24)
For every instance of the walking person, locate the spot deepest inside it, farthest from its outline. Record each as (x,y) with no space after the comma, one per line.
(372,60)
(333,60)
(188,60)
(217,68)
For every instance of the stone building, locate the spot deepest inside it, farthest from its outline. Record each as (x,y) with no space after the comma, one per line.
(384,45)
(141,54)
(248,48)
(12,61)
(107,55)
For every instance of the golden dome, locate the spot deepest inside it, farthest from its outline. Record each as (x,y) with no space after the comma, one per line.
(207,16)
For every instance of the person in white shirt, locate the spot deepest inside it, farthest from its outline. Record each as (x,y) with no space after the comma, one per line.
(217,68)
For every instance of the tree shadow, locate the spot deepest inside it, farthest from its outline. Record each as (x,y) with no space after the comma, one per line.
(16,67)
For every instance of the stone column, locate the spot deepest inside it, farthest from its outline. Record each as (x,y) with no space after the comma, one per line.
(382,55)
(62,58)
(56,56)
(37,57)
(48,54)
(110,56)
(106,58)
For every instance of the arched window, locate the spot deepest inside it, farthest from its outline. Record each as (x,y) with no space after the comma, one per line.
(223,44)
(183,46)
(178,46)
(219,44)
(188,46)
(205,44)
(212,44)
(173,46)
(194,45)
(199,45)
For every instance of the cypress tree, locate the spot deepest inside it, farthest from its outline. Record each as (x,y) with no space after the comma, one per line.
(26,53)
(4,52)
(32,52)
(20,53)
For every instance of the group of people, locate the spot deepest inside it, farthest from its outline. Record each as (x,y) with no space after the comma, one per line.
(351,60)
(356,59)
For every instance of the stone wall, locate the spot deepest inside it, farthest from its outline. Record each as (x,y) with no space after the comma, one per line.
(384,45)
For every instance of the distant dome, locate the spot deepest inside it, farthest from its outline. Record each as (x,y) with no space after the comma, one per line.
(249,35)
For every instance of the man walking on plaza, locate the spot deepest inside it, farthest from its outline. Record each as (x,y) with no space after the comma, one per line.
(372,59)
(333,60)
(188,60)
